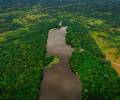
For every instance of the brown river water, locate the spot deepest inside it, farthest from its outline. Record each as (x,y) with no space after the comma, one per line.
(59,82)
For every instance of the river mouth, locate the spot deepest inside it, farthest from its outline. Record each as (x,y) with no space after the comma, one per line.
(59,82)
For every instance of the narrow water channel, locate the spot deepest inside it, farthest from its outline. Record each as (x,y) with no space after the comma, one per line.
(59,83)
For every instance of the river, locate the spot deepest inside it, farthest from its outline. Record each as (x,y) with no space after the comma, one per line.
(59,82)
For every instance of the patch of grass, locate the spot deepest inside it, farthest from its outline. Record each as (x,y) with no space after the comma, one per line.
(95,22)
(55,61)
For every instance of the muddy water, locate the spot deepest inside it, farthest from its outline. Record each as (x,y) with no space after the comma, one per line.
(59,82)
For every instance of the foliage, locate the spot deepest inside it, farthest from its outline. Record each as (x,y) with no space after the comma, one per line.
(99,80)
(22,59)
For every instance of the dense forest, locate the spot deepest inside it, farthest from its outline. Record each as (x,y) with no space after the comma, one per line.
(55,2)
(93,32)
